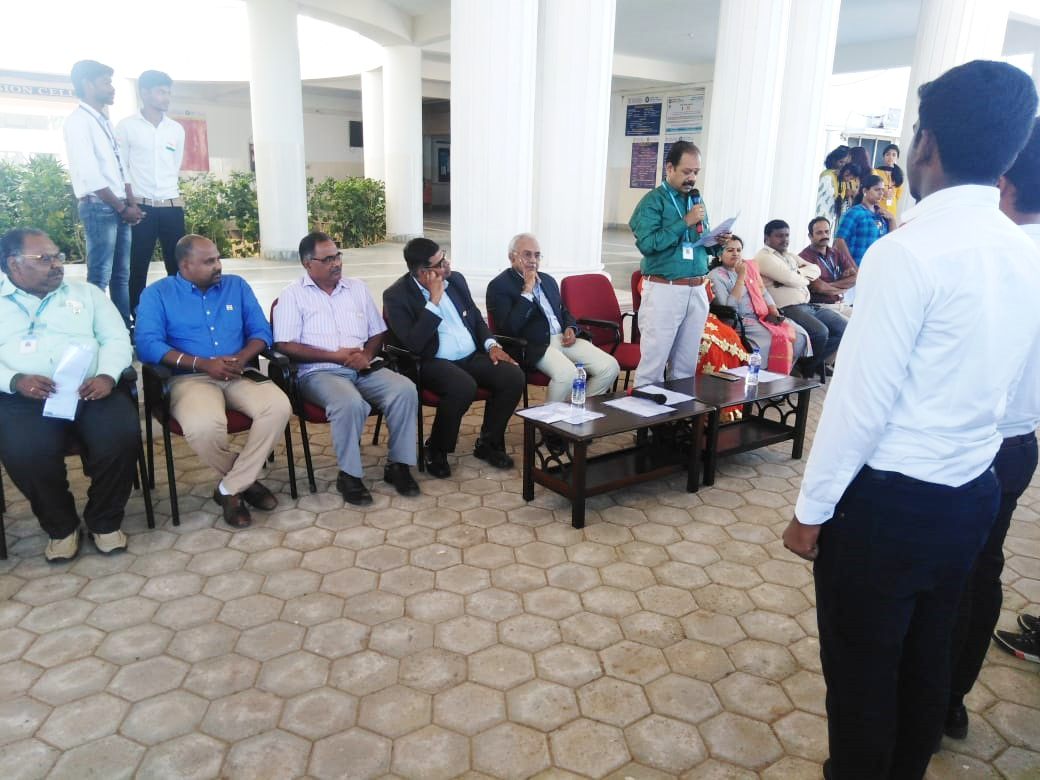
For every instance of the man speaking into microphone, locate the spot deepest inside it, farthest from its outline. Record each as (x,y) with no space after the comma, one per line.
(667,224)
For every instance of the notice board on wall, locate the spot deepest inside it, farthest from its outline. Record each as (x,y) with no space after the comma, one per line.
(656,122)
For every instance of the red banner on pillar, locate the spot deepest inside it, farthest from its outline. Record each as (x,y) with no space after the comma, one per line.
(196,144)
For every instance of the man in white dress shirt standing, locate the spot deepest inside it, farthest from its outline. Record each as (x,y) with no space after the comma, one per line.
(100,183)
(151,146)
(899,476)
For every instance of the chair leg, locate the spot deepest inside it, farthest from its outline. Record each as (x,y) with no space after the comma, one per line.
(420,446)
(168,446)
(290,461)
(3,530)
(379,424)
(307,454)
(149,448)
(627,375)
(146,493)
(526,404)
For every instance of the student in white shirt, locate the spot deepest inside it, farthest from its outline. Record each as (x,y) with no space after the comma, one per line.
(151,146)
(899,476)
(99,182)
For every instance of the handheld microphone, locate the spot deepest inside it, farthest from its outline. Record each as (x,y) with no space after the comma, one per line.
(659,398)
(695,195)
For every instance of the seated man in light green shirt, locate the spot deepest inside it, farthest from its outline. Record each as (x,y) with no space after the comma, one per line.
(41,316)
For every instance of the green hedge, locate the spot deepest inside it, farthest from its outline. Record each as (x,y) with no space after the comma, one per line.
(39,194)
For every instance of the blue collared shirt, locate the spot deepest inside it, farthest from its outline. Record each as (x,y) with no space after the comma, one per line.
(175,314)
(455,342)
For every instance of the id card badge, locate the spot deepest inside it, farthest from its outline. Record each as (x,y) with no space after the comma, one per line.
(27,346)
(687,250)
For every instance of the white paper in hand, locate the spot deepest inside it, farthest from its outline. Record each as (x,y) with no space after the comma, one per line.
(72,370)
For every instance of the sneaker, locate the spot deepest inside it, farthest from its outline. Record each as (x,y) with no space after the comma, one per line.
(1029,623)
(66,549)
(353,490)
(109,543)
(398,475)
(492,454)
(1025,646)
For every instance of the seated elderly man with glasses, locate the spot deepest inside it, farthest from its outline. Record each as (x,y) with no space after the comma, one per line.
(42,319)
(330,325)
(431,312)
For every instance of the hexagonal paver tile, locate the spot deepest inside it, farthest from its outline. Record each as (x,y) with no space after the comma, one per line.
(409,537)
(307,539)
(164,717)
(803,735)
(465,634)
(555,603)
(436,557)
(666,744)
(242,715)
(380,558)
(406,580)
(613,701)
(84,720)
(249,611)
(433,670)
(469,708)
(568,665)
(745,742)
(698,660)
(609,601)
(312,609)
(319,713)
(590,748)
(650,628)
(431,752)
(685,576)
(666,600)
(542,705)
(394,711)
(510,751)
(529,632)
(434,606)
(753,696)
(363,673)
(122,613)
(771,627)
(374,607)
(680,697)
(488,556)
(222,676)
(174,585)
(233,585)
(108,758)
(46,590)
(501,667)
(712,628)
(291,583)
(627,576)
(147,678)
(325,560)
(349,582)
(59,614)
(20,717)
(587,629)
(723,599)
(355,753)
(494,604)
(27,759)
(518,577)
(274,754)
(634,662)
(73,680)
(541,554)
(463,579)
(216,562)
(270,641)
(763,659)
(573,576)
(202,642)
(60,647)
(293,673)
(336,638)
(192,757)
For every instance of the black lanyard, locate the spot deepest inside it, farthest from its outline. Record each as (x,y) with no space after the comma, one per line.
(111,139)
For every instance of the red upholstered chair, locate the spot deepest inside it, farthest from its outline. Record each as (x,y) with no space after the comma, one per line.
(636,285)
(534,376)
(593,302)
(157,405)
(285,376)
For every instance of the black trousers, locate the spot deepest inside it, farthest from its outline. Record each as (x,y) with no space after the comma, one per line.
(456,383)
(164,224)
(892,565)
(32,449)
(980,603)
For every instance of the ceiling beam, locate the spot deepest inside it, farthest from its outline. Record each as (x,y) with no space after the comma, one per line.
(628,66)
(376,20)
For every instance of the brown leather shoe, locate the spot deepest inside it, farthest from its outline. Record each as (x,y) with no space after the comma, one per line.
(235,513)
(258,496)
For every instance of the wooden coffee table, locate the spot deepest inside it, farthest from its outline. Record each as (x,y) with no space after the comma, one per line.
(569,471)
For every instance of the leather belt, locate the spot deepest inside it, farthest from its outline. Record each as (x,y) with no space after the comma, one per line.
(158,204)
(688,281)
(1014,441)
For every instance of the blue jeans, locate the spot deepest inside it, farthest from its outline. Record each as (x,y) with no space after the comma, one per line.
(892,566)
(108,253)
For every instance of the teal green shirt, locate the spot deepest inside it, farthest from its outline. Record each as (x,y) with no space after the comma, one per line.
(76,312)
(660,232)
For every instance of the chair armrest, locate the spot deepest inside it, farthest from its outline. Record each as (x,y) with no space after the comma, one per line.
(516,342)
(127,383)
(156,388)
(606,325)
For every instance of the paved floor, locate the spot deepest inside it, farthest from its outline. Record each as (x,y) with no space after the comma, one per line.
(462,632)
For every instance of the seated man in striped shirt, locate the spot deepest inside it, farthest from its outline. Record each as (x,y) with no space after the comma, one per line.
(330,325)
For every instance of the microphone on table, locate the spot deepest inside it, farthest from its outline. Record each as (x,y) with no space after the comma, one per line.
(695,194)
(659,398)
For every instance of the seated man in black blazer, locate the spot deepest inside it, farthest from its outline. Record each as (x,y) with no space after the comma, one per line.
(524,302)
(430,312)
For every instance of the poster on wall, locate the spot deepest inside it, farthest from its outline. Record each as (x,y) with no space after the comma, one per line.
(685,113)
(643,115)
(196,143)
(644,165)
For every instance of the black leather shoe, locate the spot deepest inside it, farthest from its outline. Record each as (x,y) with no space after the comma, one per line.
(259,497)
(353,490)
(956,726)
(437,463)
(235,513)
(494,455)
(398,475)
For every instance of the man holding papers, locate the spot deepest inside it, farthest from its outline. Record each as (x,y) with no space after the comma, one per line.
(41,317)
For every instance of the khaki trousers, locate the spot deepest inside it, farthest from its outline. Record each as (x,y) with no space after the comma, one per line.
(200,403)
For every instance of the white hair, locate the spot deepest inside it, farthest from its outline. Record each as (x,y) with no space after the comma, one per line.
(517,239)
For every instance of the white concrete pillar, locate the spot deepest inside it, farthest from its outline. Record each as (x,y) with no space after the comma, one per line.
(402,141)
(800,151)
(493,71)
(949,33)
(575,57)
(127,102)
(372,123)
(743,118)
(276,105)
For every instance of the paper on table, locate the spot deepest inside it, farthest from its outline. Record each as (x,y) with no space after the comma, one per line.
(72,370)
(670,396)
(708,239)
(559,411)
(763,375)
(639,406)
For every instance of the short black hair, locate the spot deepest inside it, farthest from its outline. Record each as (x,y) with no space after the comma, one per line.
(1025,174)
(836,155)
(151,79)
(774,224)
(87,70)
(309,241)
(185,246)
(978,145)
(13,241)
(418,251)
(814,220)
(889,148)
(678,149)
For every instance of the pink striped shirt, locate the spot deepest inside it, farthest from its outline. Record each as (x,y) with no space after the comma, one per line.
(306,314)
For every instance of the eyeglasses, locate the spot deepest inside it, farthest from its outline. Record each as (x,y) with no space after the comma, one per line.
(437,266)
(44,260)
(527,254)
(330,258)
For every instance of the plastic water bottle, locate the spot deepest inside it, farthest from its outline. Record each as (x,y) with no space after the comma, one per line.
(754,363)
(578,388)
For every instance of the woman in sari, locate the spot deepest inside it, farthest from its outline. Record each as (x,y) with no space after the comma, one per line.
(737,283)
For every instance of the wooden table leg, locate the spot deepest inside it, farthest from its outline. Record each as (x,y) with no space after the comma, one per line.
(712,447)
(693,468)
(578,485)
(801,418)
(528,470)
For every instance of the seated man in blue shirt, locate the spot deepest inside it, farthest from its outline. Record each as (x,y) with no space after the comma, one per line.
(207,327)
(41,315)
(431,312)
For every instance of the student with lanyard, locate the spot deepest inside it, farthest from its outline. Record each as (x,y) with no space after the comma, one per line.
(666,224)
(100,183)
